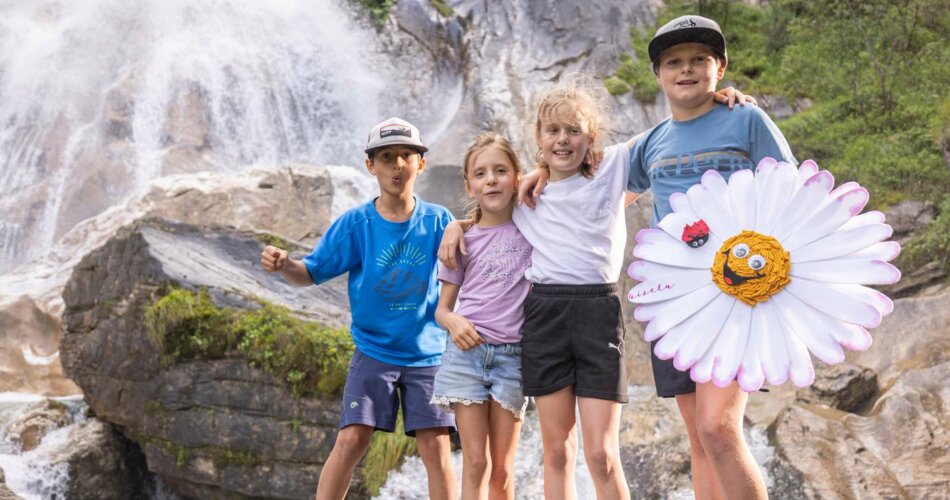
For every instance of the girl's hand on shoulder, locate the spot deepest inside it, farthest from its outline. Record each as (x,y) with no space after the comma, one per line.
(730,95)
(453,243)
(531,185)
(462,332)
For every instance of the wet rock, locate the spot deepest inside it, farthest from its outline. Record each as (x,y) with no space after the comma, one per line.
(28,429)
(897,451)
(101,462)
(210,429)
(908,217)
(5,493)
(844,387)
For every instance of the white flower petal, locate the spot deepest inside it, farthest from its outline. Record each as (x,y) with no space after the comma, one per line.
(806,170)
(642,270)
(867,218)
(773,195)
(803,204)
(849,271)
(750,375)
(800,370)
(691,352)
(742,198)
(679,202)
(669,286)
(853,337)
(827,219)
(837,301)
(731,345)
(657,246)
(675,223)
(810,326)
(878,300)
(706,322)
(708,206)
(884,251)
(770,343)
(670,313)
(841,243)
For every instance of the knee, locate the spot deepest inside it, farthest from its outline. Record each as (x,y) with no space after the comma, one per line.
(433,446)
(601,462)
(353,442)
(559,455)
(475,465)
(718,435)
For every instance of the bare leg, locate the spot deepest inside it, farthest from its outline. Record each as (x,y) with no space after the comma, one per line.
(351,444)
(473,425)
(559,437)
(705,486)
(503,439)
(600,423)
(719,413)
(435,448)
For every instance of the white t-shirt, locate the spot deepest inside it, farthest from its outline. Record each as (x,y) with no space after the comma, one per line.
(578,229)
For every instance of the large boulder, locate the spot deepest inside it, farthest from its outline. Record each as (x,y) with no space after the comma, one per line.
(296,201)
(210,429)
(897,451)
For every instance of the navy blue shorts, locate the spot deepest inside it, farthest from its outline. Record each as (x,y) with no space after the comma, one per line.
(375,390)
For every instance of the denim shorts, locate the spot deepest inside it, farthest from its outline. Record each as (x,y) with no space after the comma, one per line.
(472,376)
(375,391)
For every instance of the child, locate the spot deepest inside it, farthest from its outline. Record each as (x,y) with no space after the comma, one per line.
(483,361)
(689,57)
(573,345)
(388,247)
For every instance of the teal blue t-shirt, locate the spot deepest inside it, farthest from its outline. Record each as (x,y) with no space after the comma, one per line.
(392,280)
(672,156)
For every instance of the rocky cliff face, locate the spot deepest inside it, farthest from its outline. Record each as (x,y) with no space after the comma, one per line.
(211,429)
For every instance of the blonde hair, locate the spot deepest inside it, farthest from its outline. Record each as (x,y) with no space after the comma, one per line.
(482,142)
(587,100)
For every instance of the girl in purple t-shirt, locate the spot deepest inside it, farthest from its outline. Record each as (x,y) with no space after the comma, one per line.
(480,377)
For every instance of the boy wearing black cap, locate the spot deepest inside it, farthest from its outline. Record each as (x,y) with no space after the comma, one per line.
(689,57)
(388,247)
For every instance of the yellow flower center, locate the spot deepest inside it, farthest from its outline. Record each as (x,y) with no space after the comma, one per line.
(751,267)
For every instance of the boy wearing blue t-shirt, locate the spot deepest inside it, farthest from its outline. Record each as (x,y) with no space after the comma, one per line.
(689,58)
(388,247)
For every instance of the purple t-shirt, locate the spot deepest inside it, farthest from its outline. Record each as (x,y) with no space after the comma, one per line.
(492,281)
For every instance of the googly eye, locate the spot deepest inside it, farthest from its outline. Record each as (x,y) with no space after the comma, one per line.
(741,250)
(757,262)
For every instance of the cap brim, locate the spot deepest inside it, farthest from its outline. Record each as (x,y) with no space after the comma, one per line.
(421,149)
(666,41)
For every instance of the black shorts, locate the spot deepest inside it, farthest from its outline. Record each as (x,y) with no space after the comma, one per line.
(669,381)
(573,336)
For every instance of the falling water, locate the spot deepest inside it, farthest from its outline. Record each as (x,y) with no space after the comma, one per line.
(98,97)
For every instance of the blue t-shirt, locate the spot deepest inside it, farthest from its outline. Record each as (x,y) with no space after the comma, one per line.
(392,284)
(672,156)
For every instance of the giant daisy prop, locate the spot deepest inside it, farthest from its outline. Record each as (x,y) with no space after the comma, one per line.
(744,278)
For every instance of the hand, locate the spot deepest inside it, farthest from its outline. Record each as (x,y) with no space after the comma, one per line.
(730,95)
(596,155)
(273,259)
(532,183)
(453,243)
(462,332)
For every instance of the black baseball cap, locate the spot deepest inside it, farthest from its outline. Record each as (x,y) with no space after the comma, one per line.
(687,29)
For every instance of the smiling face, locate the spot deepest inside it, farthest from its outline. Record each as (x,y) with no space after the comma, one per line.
(751,267)
(688,74)
(492,180)
(564,139)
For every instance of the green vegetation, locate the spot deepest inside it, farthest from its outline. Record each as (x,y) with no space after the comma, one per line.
(386,452)
(377,9)
(274,240)
(310,358)
(220,456)
(870,79)
(443,9)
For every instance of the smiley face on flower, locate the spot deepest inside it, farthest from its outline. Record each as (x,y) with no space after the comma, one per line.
(781,275)
(751,267)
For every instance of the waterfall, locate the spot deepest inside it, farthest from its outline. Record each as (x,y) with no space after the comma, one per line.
(98,97)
